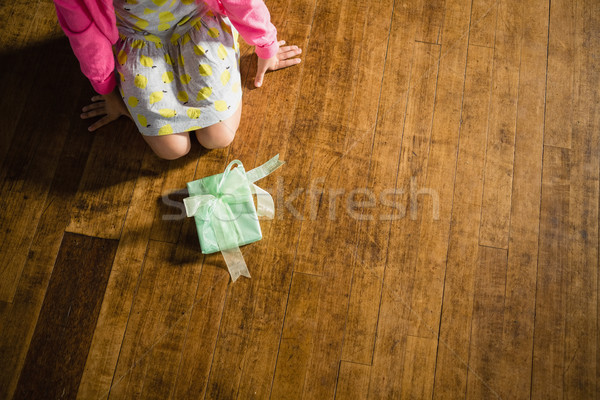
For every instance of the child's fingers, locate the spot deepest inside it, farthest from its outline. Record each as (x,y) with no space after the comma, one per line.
(281,42)
(288,48)
(92,106)
(93,113)
(288,63)
(100,123)
(258,80)
(262,67)
(284,55)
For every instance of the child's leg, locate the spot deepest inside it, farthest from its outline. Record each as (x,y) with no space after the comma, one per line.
(178,145)
(171,146)
(221,134)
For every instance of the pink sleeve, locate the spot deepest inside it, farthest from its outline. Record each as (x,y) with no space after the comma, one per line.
(252,19)
(91,47)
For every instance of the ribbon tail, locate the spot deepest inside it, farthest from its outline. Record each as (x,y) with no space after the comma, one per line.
(231,253)
(265,207)
(235,263)
(264,170)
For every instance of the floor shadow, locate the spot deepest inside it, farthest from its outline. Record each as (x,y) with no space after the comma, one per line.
(44,92)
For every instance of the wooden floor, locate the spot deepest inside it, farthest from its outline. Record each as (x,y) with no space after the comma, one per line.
(437,219)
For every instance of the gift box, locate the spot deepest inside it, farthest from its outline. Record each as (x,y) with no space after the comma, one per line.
(224,211)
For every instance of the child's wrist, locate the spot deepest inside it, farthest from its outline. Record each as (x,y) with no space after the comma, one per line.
(268,51)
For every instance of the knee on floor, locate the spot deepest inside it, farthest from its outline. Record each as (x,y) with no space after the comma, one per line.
(172,153)
(216,139)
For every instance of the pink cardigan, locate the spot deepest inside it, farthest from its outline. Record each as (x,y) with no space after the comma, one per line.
(91,28)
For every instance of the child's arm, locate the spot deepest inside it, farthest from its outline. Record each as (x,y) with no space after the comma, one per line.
(91,28)
(91,31)
(252,19)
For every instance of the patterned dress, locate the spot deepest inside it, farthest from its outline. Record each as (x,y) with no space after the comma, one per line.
(178,65)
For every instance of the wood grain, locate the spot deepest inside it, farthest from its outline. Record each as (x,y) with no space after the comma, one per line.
(391,335)
(436,228)
(561,85)
(432,16)
(62,336)
(321,372)
(18,319)
(207,309)
(495,214)
(298,337)
(167,221)
(581,277)
(482,29)
(353,381)
(549,338)
(485,350)
(117,151)
(514,378)
(418,373)
(373,235)
(28,170)
(462,256)
(151,349)
(124,279)
(272,270)
(22,56)
(431,194)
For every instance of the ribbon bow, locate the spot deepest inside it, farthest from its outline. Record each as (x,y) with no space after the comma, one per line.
(234,187)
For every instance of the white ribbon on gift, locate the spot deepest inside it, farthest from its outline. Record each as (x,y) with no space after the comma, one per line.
(265,207)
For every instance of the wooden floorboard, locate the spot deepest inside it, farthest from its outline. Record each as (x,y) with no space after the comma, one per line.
(436,228)
(514,378)
(500,150)
(19,318)
(59,346)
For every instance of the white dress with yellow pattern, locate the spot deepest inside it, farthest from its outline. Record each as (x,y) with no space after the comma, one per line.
(178,65)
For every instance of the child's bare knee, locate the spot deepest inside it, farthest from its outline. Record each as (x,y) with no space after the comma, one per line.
(216,139)
(172,153)
(223,140)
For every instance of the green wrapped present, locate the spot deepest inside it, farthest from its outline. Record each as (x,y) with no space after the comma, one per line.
(224,212)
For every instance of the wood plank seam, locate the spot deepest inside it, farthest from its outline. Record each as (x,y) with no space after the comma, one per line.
(130,197)
(452,210)
(289,290)
(505,254)
(217,340)
(270,236)
(410,83)
(441,27)
(519,38)
(481,45)
(441,57)
(539,255)
(424,63)
(440,340)
(185,336)
(297,112)
(487,246)
(487,131)
(247,335)
(137,285)
(157,341)
(424,42)
(398,163)
(451,213)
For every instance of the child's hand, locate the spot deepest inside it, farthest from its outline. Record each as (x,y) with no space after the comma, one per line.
(110,105)
(283,58)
